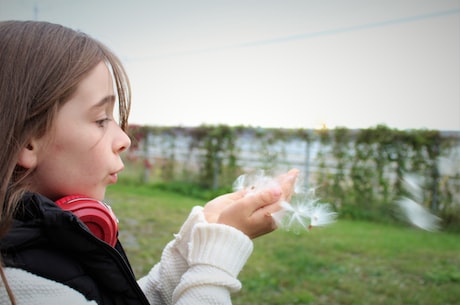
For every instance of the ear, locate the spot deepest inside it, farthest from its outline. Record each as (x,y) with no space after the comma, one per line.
(28,156)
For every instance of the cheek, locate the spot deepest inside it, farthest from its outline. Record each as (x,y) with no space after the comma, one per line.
(69,171)
(78,144)
(83,150)
(70,156)
(58,149)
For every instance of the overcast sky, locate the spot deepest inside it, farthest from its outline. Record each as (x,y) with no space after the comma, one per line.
(283,63)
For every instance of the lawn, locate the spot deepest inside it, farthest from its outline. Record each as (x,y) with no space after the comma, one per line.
(349,262)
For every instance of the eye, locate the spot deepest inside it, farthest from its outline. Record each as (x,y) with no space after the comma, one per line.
(102,123)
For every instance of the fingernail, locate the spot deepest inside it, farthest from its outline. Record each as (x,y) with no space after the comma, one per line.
(276,191)
(293,172)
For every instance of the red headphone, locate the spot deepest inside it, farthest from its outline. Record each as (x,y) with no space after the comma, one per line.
(97,216)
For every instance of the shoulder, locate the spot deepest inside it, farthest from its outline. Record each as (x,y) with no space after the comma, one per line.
(29,288)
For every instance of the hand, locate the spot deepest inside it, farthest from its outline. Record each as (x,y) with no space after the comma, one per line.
(251,214)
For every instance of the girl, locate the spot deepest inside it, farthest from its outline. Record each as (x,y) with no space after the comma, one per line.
(59,88)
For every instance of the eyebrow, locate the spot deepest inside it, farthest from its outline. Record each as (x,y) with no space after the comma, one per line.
(104,101)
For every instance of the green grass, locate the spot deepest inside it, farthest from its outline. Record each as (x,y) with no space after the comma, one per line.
(349,262)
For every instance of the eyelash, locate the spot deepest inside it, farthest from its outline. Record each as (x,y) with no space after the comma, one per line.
(101,123)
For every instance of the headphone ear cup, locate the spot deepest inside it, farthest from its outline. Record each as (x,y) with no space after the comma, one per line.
(96,215)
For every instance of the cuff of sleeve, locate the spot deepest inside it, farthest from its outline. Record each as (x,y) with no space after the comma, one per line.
(182,239)
(221,246)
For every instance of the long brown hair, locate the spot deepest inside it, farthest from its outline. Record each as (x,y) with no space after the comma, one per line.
(41,65)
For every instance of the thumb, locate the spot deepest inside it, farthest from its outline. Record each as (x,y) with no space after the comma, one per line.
(265,200)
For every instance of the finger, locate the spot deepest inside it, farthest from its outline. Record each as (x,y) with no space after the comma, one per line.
(267,198)
(268,210)
(287,182)
(238,194)
(233,196)
(263,220)
(260,200)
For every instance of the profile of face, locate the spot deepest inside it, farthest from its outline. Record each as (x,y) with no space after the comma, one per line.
(81,152)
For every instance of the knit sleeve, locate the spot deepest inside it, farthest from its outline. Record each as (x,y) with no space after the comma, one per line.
(217,253)
(200,266)
(162,279)
(31,289)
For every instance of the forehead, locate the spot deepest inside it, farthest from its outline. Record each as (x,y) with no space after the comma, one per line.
(100,76)
(93,91)
(96,85)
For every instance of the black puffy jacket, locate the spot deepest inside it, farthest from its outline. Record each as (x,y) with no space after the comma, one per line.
(55,244)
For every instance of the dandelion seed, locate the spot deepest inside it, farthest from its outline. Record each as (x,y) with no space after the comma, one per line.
(411,183)
(322,214)
(238,184)
(254,182)
(411,209)
(302,213)
(417,215)
(291,217)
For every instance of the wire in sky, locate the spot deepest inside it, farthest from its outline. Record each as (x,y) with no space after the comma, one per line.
(309,35)
(351,28)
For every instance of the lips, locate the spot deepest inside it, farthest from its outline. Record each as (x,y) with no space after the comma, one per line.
(113,178)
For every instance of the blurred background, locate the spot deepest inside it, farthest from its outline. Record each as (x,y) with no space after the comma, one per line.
(290,64)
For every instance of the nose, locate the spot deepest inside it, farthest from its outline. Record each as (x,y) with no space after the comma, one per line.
(121,142)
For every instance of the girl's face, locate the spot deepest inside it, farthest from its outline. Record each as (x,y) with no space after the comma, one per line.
(81,154)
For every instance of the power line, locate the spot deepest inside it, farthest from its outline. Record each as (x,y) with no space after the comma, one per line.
(309,35)
(351,28)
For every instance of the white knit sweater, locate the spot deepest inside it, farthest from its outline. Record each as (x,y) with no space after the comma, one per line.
(200,266)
